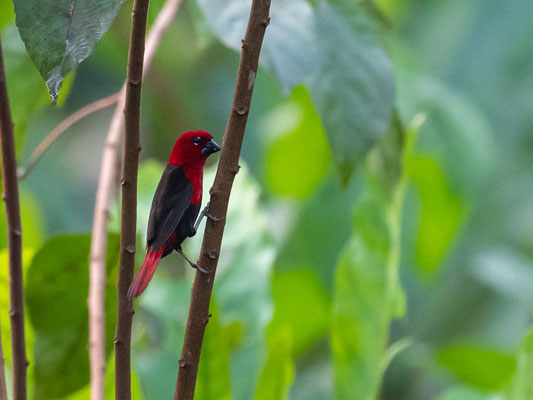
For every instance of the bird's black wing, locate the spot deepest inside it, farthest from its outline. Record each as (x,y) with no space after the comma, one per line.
(171,199)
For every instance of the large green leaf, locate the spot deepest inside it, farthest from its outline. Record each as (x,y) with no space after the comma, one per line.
(61,34)
(521,387)
(7,16)
(288,47)
(484,369)
(335,50)
(57,286)
(26,91)
(298,155)
(301,307)
(213,380)
(278,373)
(441,208)
(367,289)
(352,87)
(85,393)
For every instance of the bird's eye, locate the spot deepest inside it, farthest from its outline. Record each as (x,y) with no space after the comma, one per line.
(197,140)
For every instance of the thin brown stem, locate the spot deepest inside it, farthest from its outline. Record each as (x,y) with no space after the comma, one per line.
(104,195)
(14,240)
(3,386)
(132,111)
(62,127)
(220,193)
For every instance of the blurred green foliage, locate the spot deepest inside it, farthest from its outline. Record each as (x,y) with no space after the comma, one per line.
(355,264)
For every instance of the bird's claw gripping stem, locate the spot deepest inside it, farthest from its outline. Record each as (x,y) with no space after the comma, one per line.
(193,264)
(205,213)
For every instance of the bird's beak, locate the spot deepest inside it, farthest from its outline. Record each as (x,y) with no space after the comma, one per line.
(210,148)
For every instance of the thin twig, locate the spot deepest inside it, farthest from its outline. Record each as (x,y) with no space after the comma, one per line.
(227,169)
(104,195)
(3,386)
(128,221)
(23,172)
(14,240)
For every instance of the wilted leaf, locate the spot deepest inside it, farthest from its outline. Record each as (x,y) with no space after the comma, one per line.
(481,368)
(61,34)
(56,290)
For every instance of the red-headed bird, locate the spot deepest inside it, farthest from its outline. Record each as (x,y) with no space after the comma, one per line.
(176,204)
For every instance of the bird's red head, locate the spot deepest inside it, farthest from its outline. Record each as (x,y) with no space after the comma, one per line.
(192,149)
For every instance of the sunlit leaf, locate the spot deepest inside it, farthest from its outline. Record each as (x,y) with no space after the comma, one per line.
(367,290)
(298,155)
(521,387)
(57,285)
(7,16)
(301,306)
(85,393)
(466,393)
(481,368)
(278,373)
(441,212)
(31,219)
(213,380)
(60,35)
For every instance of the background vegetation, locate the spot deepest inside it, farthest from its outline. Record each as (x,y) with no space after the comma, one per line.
(398,270)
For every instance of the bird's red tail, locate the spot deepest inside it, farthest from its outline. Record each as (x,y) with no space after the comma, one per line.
(141,280)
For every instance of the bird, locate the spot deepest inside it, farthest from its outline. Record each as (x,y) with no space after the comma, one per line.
(176,205)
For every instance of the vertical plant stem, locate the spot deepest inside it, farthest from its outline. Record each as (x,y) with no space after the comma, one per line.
(104,195)
(227,169)
(14,240)
(3,386)
(128,224)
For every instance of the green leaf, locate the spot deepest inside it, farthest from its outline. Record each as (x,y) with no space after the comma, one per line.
(7,16)
(335,51)
(31,219)
(440,207)
(367,289)
(298,156)
(352,86)
(467,393)
(85,393)
(213,380)
(22,79)
(61,34)
(521,387)
(278,373)
(301,306)
(481,368)
(56,290)
(292,60)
